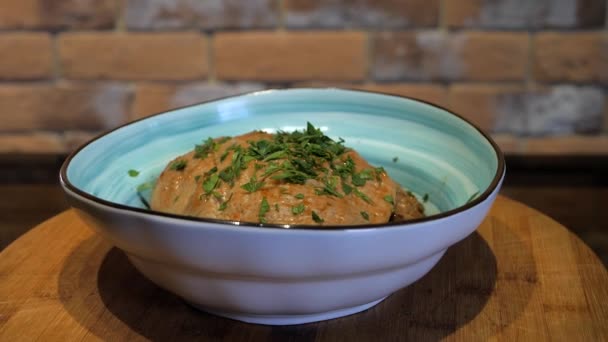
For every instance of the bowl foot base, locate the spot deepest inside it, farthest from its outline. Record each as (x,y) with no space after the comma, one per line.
(289,319)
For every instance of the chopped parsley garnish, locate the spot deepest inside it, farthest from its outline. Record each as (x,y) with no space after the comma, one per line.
(146,186)
(346,168)
(389,199)
(133,173)
(210,183)
(317,218)
(203,150)
(329,188)
(347,189)
(178,165)
(224,204)
(143,187)
(365,215)
(359,179)
(395,159)
(253,185)
(297,209)
(362,195)
(264,207)
(425,198)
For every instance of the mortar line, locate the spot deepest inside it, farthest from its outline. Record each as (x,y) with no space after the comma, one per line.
(211,72)
(55,59)
(120,24)
(529,70)
(369,52)
(282,13)
(441,21)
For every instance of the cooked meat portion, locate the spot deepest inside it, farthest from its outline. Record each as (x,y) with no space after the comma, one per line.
(284,178)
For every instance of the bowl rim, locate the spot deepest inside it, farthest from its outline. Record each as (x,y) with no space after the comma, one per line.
(500,172)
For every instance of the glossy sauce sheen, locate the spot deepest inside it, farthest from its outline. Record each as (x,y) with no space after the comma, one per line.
(182,192)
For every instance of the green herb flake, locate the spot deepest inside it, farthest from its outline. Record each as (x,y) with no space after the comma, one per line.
(253,185)
(299,196)
(329,188)
(224,204)
(203,150)
(389,199)
(276,155)
(347,167)
(178,165)
(297,209)
(425,198)
(365,215)
(227,175)
(224,155)
(347,189)
(362,195)
(359,179)
(146,186)
(276,207)
(264,207)
(317,218)
(211,171)
(395,159)
(133,173)
(210,183)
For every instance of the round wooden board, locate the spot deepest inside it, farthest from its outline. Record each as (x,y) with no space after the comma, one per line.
(520,276)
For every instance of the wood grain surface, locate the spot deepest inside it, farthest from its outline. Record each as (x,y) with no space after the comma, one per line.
(520,276)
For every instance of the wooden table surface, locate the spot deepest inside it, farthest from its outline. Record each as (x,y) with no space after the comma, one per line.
(520,276)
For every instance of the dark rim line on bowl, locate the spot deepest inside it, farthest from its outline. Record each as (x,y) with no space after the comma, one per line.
(483,196)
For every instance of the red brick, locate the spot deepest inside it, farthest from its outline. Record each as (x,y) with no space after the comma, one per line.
(25,56)
(63,106)
(557,110)
(174,14)
(58,14)
(138,56)
(578,57)
(151,98)
(290,56)
(361,14)
(481,104)
(524,14)
(31,143)
(567,145)
(432,55)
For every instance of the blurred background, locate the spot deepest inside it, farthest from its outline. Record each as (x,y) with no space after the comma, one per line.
(532,73)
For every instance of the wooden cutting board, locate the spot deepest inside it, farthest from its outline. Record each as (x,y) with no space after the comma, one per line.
(521,276)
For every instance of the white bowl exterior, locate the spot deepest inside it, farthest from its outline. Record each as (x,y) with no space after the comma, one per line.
(264,271)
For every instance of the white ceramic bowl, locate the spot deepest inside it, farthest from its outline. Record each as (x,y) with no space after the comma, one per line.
(274,274)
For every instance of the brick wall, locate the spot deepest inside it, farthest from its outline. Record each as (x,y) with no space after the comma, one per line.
(533,73)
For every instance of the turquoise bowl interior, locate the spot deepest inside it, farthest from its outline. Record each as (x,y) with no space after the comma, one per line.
(425,148)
